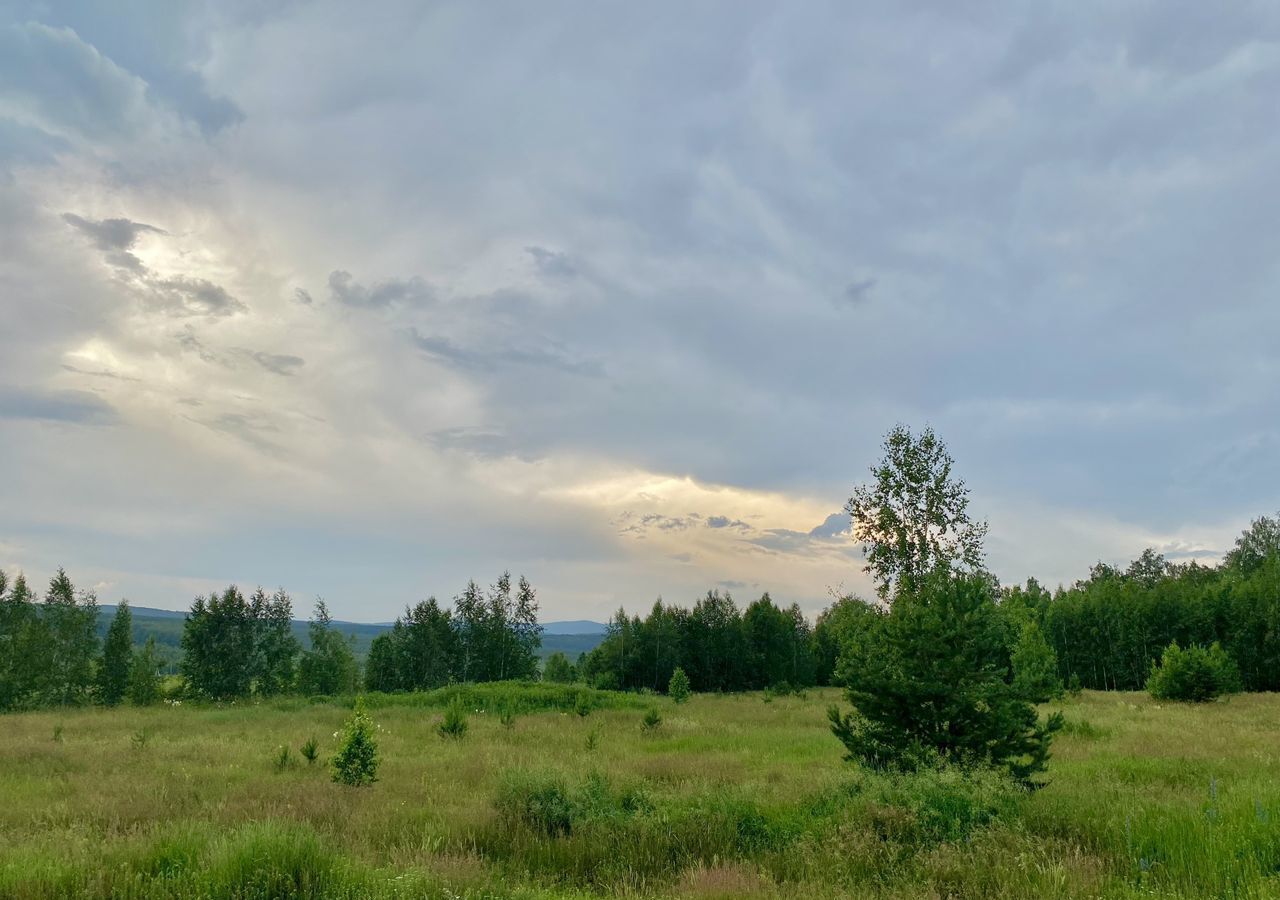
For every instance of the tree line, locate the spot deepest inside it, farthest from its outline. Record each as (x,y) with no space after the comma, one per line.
(719,647)
(235,646)
(1109,629)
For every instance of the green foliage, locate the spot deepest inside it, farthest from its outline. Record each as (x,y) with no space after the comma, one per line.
(420,652)
(1035,666)
(717,647)
(507,716)
(144,675)
(329,666)
(139,739)
(651,721)
(218,655)
(70,618)
(283,758)
(498,635)
(275,647)
(582,706)
(117,656)
(844,624)
(678,686)
(310,750)
(57,733)
(24,642)
(558,669)
(932,685)
(550,805)
(593,739)
(913,518)
(454,722)
(1195,674)
(356,762)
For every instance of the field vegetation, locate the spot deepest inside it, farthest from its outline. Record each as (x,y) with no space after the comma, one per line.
(728,796)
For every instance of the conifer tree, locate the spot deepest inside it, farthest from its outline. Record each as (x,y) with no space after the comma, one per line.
(678,687)
(117,656)
(356,762)
(72,622)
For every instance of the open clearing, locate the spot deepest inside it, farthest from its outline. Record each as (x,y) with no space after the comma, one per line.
(730,796)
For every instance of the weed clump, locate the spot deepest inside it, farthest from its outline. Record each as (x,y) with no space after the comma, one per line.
(651,721)
(310,750)
(283,759)
(356,762)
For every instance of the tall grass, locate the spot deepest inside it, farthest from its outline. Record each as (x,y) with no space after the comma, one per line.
(729,797)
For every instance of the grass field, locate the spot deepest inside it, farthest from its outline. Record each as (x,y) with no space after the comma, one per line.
(730,796)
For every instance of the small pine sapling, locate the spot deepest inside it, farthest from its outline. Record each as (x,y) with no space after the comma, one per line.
(652,719)
(356,762)
(454,723)
(678,687)
(310,751)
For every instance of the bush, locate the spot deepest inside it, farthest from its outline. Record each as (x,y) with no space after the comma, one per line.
(1195,675)
(582,706)
(651,721)
(454,723)
(678,687)
(356,762)
(558,669)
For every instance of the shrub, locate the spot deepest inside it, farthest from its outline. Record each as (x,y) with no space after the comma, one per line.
(539,803)
(582,706)
(507,716)
(356,762)
(454,723)
(651,720)
(1195,674)
(593,739)
(678,687)
(283,758)
(310,750)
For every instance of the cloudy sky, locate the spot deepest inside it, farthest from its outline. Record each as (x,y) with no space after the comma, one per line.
(364,300)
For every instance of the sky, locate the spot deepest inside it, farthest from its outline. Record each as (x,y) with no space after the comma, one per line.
(365,300)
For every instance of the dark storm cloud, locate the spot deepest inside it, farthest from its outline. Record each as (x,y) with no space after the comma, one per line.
(74,407)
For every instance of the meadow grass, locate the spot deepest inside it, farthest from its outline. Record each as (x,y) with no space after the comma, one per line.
(728,797)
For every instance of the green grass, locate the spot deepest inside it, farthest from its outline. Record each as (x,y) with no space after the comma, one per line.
(730,797)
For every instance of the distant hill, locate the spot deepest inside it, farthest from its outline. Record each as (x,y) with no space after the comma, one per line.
(165,625)
(576,626)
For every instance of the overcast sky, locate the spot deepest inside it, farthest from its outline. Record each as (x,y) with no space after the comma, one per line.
(364,300)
